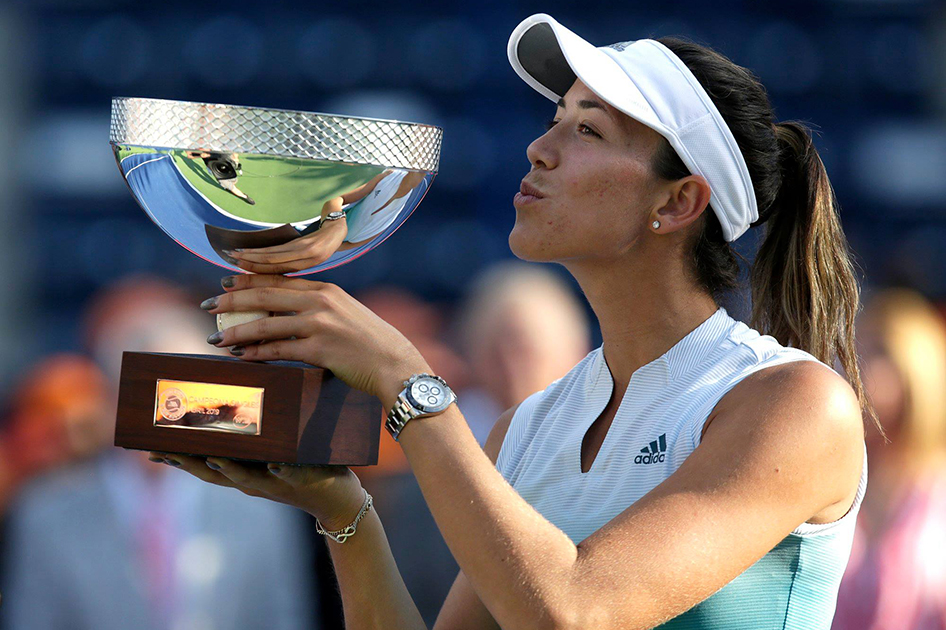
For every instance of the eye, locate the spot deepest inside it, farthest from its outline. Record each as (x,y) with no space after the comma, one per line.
(591,131)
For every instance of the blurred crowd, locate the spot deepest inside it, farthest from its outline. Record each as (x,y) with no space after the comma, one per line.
(95,536)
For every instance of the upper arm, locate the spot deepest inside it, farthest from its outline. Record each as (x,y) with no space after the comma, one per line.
(498,433)
(463,609)
(783,448)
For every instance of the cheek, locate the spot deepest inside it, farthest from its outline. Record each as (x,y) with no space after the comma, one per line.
(614,205)
(593,208)
(542,234)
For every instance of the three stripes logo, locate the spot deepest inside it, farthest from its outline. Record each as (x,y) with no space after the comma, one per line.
(653,453)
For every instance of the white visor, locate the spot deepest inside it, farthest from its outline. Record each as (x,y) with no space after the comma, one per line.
(647,81)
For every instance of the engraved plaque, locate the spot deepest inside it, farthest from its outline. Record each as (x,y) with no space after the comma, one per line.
(208,406)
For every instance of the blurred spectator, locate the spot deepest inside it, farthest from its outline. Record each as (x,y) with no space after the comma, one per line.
(896,577)
(521,327)
(57,415)
(121,542)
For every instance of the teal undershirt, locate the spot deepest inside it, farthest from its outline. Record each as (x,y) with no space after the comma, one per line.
(793,587)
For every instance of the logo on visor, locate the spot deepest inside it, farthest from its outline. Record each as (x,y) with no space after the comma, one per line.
(620,46)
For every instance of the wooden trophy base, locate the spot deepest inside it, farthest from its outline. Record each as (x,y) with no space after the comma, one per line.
(283,411)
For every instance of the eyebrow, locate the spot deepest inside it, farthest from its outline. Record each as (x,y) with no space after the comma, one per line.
(585,104)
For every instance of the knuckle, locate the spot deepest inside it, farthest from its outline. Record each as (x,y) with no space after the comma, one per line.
(237,476)
(262,326)
(316,322)
(319,299)
(265,293)
(271,350)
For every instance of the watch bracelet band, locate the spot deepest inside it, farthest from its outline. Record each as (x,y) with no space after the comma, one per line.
(341,535)
(339,215)
(400,413)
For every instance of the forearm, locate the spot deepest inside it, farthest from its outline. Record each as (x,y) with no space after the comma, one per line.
(518,562)
(373,592)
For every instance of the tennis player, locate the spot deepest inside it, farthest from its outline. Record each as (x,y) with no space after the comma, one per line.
(693,471)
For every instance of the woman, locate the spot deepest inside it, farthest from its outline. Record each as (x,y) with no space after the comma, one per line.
(667,462)
(896,578)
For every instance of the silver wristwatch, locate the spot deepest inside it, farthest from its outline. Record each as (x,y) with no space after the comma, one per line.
(333,216)
(423,395)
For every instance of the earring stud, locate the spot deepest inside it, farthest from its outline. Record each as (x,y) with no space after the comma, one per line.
(656,224)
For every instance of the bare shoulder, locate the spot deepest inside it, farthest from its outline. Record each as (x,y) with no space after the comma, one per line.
(802,410)
(802,391)
(498,433)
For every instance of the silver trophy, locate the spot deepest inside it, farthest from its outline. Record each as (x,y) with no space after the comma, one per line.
(220,179)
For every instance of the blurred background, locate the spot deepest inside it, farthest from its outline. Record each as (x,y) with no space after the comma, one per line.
(88,275)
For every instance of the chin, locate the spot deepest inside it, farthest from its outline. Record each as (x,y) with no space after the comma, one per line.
(529,246)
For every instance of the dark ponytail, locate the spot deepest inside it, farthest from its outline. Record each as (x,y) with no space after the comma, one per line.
(803,284)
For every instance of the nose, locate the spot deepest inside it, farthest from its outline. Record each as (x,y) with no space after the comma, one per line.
(541,153)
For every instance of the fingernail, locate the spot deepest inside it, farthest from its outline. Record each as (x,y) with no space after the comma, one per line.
(215,338)
(172,462)
(228,282)
(212,465)
(276,470)
(209,304)
(237,351)
(228,252)
(238,249)
(157,460)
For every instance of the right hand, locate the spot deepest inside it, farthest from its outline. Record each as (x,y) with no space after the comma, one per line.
(332,494)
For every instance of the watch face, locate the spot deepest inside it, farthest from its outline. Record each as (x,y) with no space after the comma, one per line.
(429,394)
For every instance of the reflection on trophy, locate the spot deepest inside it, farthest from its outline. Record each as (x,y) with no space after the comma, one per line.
(225,167)
(223,181)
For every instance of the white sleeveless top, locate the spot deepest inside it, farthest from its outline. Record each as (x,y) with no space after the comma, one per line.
(365,217)
(658,424)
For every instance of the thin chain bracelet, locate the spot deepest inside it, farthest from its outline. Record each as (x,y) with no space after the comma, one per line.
(344,534)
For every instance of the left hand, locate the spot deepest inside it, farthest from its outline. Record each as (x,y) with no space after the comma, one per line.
(329,329)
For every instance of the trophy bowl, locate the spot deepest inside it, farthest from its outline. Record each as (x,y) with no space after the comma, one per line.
(216,178)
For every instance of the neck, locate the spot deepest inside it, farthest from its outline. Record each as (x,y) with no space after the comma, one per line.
(643,309)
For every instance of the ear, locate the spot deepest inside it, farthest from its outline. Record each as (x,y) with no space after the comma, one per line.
(686,199)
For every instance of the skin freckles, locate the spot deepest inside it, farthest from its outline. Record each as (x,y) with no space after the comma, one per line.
(593,168)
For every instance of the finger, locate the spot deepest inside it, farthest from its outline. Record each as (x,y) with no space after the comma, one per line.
(285,350)
(299,476)
(267,268)
(295,244)
(196,467)
(262,298)
(259,480)
(263,329)
(242,281)
(312,253)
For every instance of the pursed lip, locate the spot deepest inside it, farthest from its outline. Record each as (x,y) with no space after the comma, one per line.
(528,189)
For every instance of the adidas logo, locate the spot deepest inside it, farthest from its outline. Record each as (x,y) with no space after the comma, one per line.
(653,453)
